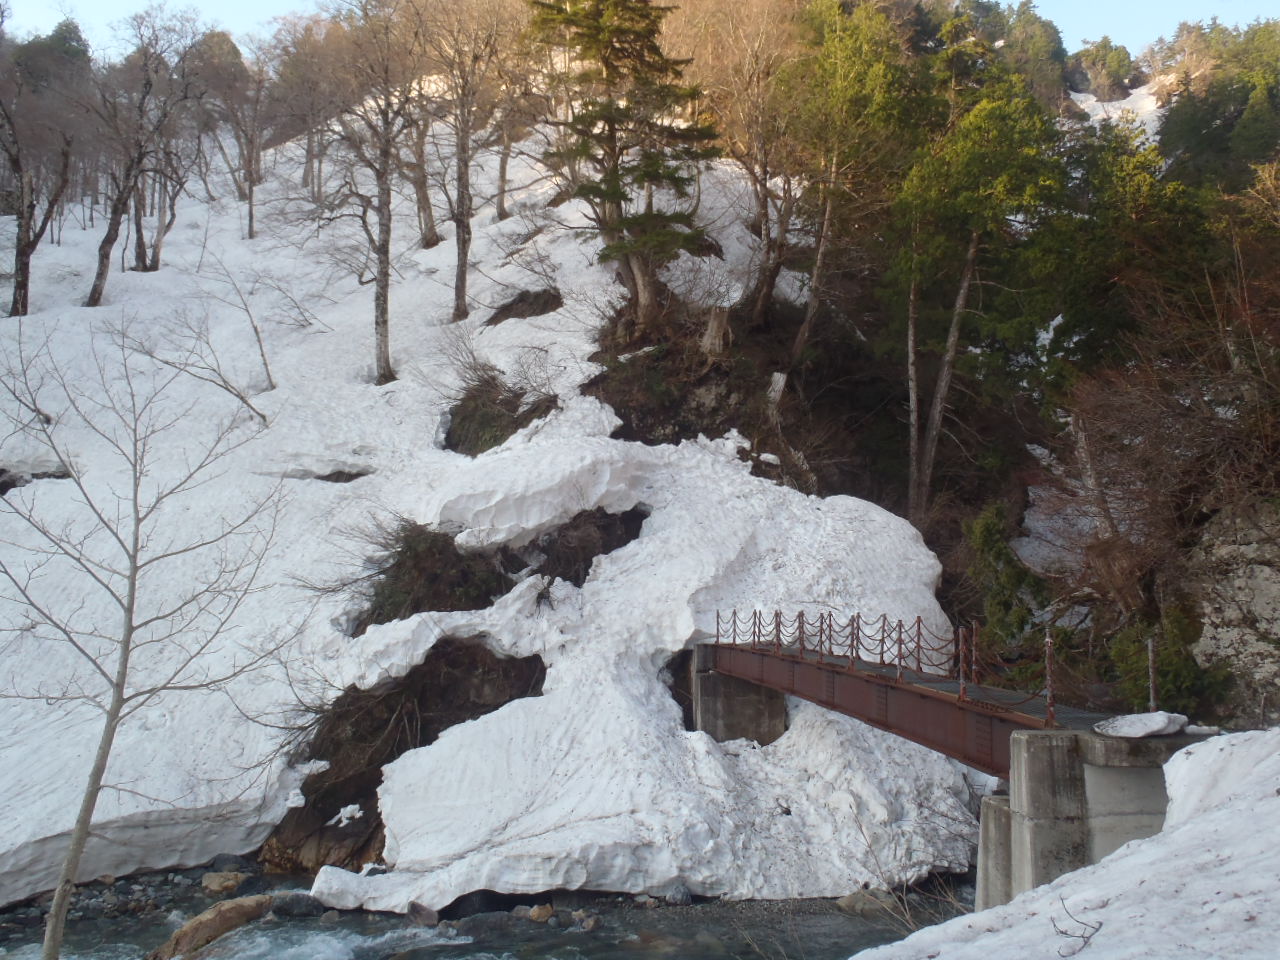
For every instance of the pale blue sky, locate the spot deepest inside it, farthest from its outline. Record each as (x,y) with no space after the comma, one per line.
(1134,23)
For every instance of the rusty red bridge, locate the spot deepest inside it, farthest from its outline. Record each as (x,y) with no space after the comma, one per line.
(895,675)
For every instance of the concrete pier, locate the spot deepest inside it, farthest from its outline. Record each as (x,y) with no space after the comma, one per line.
(728,708)
(1074,797)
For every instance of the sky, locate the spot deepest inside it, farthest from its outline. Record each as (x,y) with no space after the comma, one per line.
(1134,23)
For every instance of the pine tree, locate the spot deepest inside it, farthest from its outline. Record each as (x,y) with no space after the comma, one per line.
(624,131)
(1257,133)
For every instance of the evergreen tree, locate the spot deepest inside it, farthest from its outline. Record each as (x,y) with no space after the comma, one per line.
(1257,133)
(625,135)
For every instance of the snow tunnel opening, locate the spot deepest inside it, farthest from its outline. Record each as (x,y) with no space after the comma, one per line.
(361,731)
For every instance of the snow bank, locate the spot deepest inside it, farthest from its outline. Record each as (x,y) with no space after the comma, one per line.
(593,784)
(1208,886)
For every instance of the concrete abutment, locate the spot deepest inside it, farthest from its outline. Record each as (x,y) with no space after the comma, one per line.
(1074,797)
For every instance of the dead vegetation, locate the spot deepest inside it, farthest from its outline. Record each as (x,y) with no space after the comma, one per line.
(363,730)
(489,408)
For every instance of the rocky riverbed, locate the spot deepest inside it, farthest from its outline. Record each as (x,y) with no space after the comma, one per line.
(122,919)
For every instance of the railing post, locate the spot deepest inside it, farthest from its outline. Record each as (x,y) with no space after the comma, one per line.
(800,632)
(1049,719)
(919,645)
(962,639)
(777,631)
(898,658)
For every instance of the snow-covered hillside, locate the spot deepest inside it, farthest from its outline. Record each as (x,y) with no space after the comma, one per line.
(1208,886)
(594,784)
(1142,107)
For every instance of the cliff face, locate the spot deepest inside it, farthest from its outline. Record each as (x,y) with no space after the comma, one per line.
(1240,606)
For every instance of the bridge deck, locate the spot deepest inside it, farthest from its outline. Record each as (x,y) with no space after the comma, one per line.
(928,709)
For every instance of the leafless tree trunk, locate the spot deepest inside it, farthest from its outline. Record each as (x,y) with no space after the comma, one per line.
(119,545)
(913,400)
(31,231)
(464,42)
(816,277)
(937,407)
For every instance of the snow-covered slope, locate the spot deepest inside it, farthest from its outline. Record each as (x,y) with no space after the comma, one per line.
(593,784)
(1141,107)
(1208,886)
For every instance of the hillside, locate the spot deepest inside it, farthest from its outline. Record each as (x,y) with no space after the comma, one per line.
(541,793)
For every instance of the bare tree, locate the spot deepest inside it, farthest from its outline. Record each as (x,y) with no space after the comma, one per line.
(136,104)
(306,92)
(36,136)
(125,543)
(383,62)
(464,41)
(237,100)
(739,49)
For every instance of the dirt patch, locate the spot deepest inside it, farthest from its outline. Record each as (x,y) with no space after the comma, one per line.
(343,476)
(677,674)
(361,731)
(527,303)
(569,550)
(10,479)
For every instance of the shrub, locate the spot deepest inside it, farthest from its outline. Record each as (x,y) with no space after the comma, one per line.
(489,410)
(422,569)
(1182,685)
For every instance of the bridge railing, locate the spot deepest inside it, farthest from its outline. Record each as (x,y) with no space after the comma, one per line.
(905,646)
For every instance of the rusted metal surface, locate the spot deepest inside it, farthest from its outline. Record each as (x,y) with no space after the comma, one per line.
(970,731)
(893,675)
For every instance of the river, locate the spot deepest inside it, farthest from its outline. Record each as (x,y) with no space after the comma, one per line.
(624,929)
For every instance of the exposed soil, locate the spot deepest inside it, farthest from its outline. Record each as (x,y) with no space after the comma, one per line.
(527,303)
(571,548)
(363,730)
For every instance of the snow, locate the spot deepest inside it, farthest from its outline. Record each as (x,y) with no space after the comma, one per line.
(1157,723)
(1142,108)
(595,783)
(1207,886)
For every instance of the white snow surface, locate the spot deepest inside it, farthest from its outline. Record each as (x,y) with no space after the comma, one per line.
(1134,726)
(1206,888)
(1141,107)
(593,784)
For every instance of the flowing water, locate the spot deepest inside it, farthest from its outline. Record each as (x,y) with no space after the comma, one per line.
(807,929)
(787,930)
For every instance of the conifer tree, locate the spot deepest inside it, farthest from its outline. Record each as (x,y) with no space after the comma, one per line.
(1257,133)
(625,131)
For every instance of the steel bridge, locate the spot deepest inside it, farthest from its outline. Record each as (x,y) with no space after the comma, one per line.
(895,675)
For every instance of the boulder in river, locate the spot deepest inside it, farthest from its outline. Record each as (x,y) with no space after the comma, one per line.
(207,927)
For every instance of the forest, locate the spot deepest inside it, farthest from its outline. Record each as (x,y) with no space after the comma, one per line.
(1007,307)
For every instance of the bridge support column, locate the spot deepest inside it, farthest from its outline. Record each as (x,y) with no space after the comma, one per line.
(995,858)
(1074,797)
(727,708)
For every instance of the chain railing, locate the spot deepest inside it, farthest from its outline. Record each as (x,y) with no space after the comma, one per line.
(906,647)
